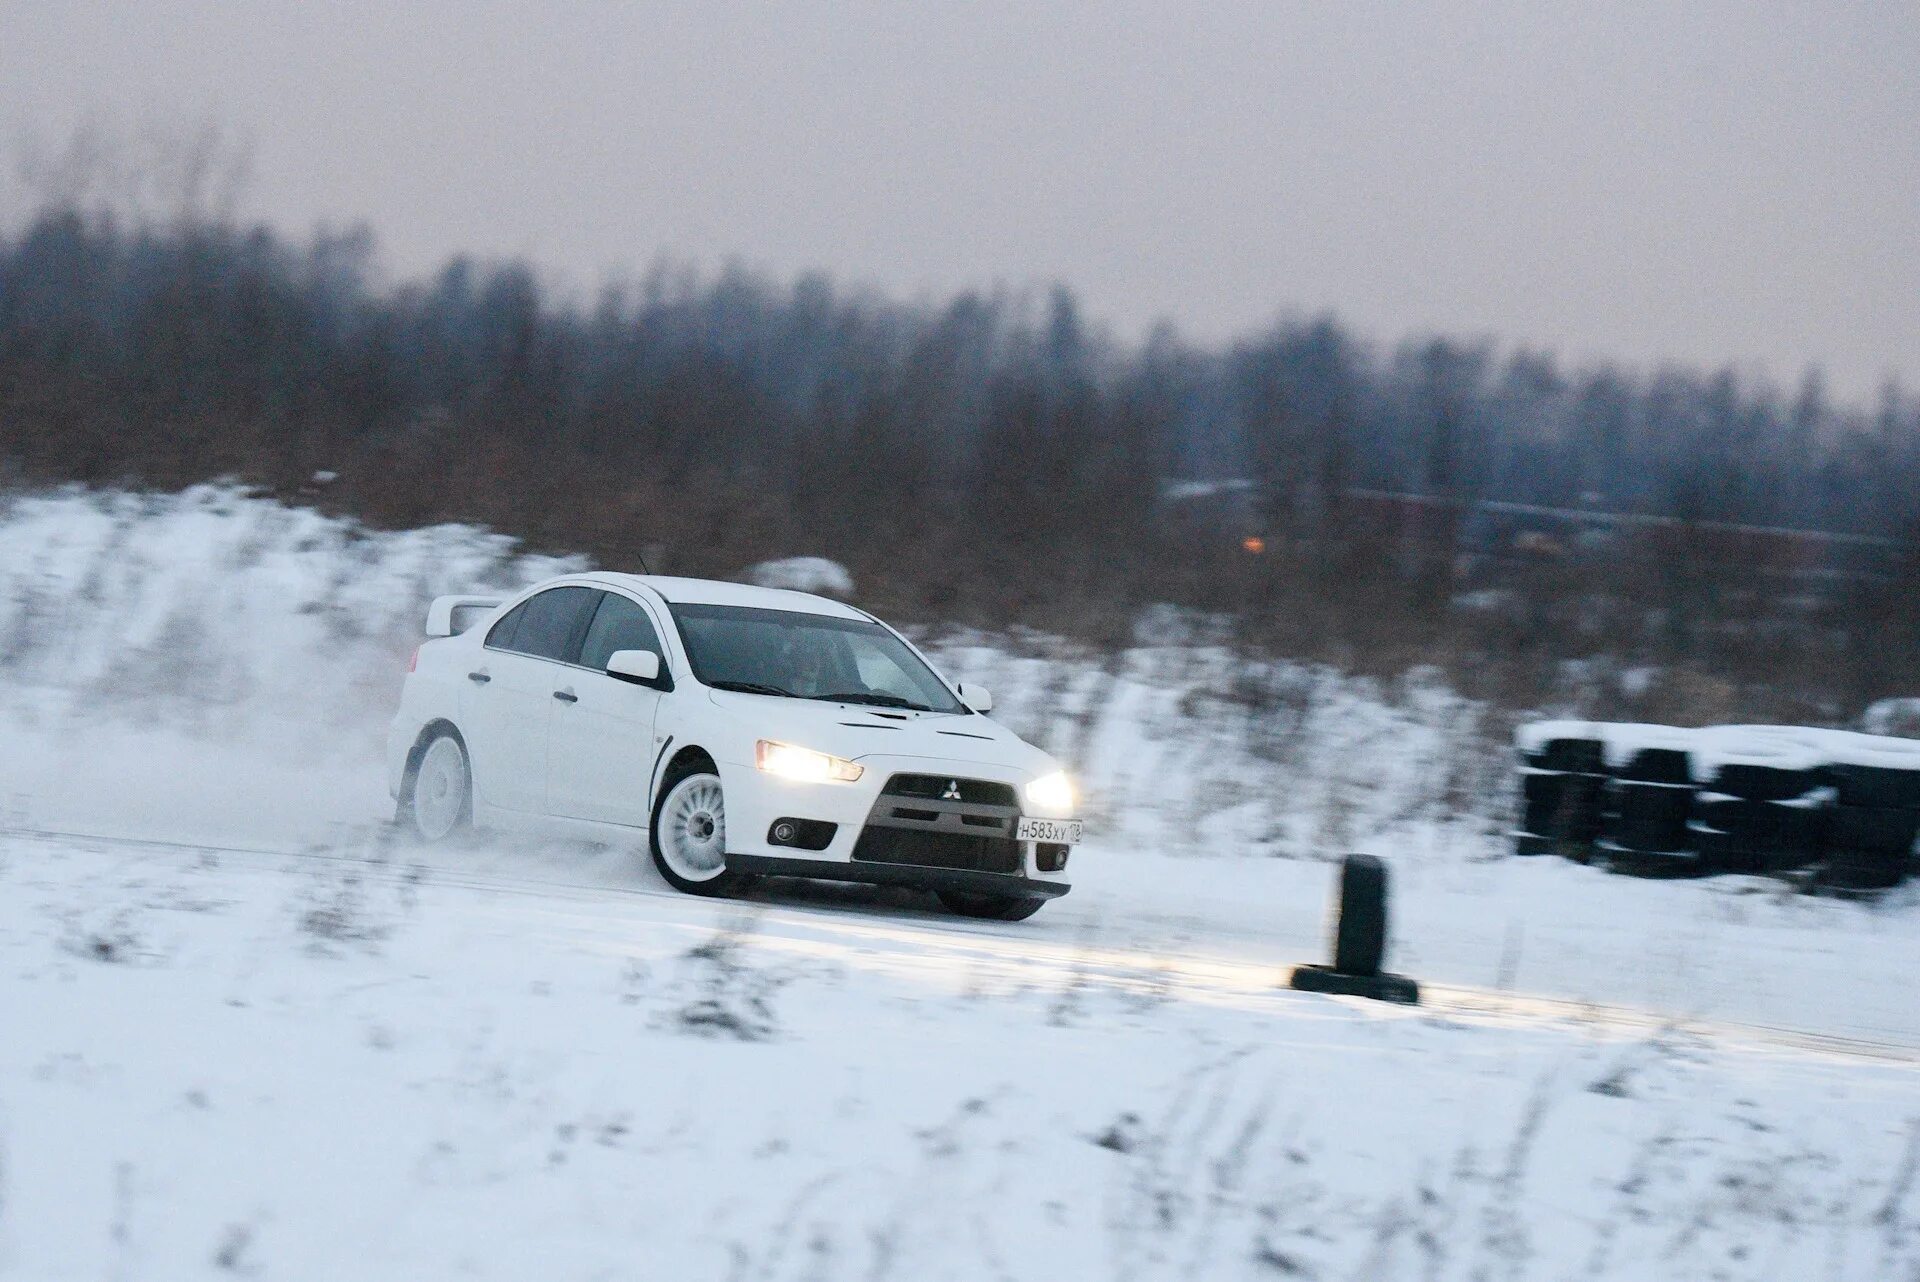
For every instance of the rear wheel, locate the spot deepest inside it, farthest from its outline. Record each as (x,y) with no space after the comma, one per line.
(438,801)
(990,907)
(689,839)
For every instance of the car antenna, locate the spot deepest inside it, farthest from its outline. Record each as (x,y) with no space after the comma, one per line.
(641,557)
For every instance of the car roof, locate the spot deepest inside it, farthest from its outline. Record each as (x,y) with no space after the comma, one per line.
(680,591)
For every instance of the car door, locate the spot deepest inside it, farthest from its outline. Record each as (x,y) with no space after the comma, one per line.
(601,744)
(507,702)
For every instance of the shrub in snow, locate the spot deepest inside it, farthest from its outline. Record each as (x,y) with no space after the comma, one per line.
(726,995)
(803,574)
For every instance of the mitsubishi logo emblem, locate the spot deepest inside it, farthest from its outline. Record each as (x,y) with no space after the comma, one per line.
(953,791)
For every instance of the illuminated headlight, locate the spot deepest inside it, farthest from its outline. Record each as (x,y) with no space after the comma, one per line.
(1051,794)
(805,764)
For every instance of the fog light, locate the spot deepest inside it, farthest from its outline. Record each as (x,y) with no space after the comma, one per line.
(801,834)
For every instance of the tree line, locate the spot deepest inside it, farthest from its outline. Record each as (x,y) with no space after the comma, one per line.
(992,458)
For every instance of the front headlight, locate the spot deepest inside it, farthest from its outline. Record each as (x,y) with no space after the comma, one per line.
(804,764)
(1051,794)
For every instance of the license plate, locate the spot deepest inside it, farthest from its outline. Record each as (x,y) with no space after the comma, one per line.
(1065,832)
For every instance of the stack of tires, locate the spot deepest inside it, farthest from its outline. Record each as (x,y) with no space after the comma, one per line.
(1562,770)
(1764,803)
(1647,803)
(1875,819)
(1839,809)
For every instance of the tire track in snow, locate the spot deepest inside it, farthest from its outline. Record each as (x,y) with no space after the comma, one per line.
(889,938)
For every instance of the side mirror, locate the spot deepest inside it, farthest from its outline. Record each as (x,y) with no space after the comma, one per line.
(642,666)
(977,697)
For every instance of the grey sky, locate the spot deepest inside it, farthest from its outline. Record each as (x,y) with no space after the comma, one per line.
(1706,181)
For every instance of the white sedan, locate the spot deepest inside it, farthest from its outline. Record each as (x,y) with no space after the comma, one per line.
(739,731)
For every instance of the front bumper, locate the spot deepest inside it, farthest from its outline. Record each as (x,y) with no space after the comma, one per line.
(756,800)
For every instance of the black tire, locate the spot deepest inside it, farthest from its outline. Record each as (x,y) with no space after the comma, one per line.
(719,886)
(1648,817)
(1657,765)
(1876,787)
(1563,807)
(1360,929)
(1569,756)
(1562,789)
(1846,869)
(990,907)
(1865,828)
(1662,864)
(1765,827)
(1381,988)
(1722,852)
(1763,783)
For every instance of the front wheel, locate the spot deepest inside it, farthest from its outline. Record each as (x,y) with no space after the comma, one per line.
(990,907)
(689,838)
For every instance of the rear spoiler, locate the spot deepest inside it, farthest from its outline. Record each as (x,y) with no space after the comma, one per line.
(440,613)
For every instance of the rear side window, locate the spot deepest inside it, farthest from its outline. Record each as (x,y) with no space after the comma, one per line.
(545,626)
(619,624)
(501,638)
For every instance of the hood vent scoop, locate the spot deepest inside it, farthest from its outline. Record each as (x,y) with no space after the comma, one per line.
(962,734)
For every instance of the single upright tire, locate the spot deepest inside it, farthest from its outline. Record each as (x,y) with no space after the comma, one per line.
(990,907)
(436,802)
(1360,930)
(689,836)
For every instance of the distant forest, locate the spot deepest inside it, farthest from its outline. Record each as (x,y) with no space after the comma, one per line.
(988,459)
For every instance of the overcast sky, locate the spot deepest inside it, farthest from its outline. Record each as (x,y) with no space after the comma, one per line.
(1715,182)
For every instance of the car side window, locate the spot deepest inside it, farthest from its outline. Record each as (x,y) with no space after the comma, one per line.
(619,624)
(501,635)
(547,623)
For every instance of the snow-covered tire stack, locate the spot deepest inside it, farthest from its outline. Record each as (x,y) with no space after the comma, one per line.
(1833,807)
(1562,770)
(1647,802)
(1763,802)
(1875,819)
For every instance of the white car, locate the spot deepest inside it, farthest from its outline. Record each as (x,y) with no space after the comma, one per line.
(739,731)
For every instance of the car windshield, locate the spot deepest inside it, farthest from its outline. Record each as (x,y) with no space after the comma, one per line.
(807,656)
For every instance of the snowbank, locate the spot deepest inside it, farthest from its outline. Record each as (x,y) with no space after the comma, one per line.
(240,623)
(223,615)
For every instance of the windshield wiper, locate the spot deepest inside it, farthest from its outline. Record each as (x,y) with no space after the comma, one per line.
(753,687)
(874,697)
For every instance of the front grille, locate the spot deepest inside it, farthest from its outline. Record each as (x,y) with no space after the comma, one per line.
(927,849)
(978,792)
(917,820)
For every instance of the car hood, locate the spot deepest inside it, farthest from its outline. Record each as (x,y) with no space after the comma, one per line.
(855,731)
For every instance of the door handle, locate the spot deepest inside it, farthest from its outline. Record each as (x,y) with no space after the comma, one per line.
(479,678)
(566,696)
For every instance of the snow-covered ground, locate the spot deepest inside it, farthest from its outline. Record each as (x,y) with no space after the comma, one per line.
(306,1068)
(238,1031)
